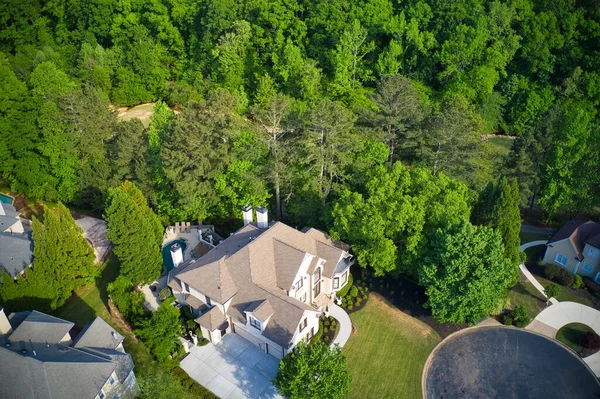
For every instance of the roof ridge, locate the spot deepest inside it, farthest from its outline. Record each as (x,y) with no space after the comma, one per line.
(48,315)
(291,246)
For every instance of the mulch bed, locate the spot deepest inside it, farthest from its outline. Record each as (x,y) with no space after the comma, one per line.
(409,297)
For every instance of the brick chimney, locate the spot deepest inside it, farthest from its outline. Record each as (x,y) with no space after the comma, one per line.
(262,217)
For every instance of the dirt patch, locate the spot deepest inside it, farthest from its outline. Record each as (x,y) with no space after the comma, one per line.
(143,112)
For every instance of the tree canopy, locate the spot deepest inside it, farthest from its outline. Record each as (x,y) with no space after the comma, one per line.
(314,371)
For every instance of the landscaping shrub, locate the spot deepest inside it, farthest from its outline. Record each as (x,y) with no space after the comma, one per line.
(500,306)
(507,319)
(353,292)
(342,293)
(552,290)
(577,282)
(164,294)
(129,302)
(591,340)
(520,316)
(558,275)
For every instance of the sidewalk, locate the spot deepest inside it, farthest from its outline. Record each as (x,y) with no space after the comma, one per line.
(528,274)
(345,325)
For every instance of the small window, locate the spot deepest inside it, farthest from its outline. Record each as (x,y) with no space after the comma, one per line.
(208,301)
(303,324)
(131,380)
(561,259)
(101,394)
(111,380)
(300,284)
(593,252)
(303,299)
(336,283)
(255,323)
(586,267)
(345,277)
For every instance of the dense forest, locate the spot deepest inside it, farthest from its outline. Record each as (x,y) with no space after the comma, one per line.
(290,101)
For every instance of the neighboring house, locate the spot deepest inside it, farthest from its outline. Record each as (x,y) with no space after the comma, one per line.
(94,231)
(38,359)
(16,247)
(576,247)
(269,283)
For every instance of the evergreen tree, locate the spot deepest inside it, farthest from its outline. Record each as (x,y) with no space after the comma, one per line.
(136,233)
(161,332)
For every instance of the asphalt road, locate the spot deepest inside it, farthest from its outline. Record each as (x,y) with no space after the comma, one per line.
(501,362)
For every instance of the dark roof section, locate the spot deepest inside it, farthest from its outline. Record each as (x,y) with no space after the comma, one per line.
(39,327)
(578,232)
(16,252)
(98,334)
(123,361)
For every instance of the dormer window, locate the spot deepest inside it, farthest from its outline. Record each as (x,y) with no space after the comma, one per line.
(254,322)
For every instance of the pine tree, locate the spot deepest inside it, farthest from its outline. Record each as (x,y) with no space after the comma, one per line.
(62,256)
(136,233)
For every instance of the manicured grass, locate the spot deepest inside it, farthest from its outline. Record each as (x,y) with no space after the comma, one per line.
(387,353)
(566,295)
(525,294)
(573,335)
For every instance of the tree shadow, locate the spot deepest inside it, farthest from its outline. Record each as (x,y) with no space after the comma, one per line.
(109,273)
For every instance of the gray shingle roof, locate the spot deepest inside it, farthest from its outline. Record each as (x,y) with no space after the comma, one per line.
(45,369)
(98,334)
(211,319)
(16,252)
(40,327)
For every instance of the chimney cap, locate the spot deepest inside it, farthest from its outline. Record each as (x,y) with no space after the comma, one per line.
(247,208)
(261,209)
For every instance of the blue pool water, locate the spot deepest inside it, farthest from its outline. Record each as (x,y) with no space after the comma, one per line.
(166,253)
(6,199)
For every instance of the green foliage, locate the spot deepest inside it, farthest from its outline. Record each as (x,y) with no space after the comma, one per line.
(161,331)
(465,273)
(136,234)
(552,290)
(63,262)
(559,275)
(128,301)
(313,371)
(577,282)
(342,293)
(521,316)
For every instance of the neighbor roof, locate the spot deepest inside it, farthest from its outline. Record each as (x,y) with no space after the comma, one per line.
(16,252)
(256,266)
(578,232)
(39,327)
(38,366)
(98,334)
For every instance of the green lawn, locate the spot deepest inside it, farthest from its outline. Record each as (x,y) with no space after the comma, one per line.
(525,294)
(566,294)
(387,353)
(528,237)
(573,335)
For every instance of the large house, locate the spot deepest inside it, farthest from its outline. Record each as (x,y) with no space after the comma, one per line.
(576,247)
(16,249)
(269,283)
(39,359)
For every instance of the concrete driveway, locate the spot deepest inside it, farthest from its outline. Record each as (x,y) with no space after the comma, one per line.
(234,368)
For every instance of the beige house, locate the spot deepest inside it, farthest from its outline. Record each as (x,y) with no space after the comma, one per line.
(576,247)
(39,359)
(269,283)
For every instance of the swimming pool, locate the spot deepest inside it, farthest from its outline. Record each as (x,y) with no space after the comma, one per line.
(6,199)
(166,253)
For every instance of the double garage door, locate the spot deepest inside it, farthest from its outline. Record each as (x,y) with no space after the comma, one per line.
(272,350)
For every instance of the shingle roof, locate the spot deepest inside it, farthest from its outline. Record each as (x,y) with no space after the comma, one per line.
(16,252)
(211,319)
(40,327)
(98,334)
(578,232)
(262,310)
(259,266)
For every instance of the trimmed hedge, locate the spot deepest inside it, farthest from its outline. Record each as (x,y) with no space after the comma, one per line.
(342,293)
(558,275)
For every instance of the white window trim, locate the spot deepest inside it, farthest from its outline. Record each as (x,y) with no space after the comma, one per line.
(557,258)
(254,322)
(303,298)
(336,283)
